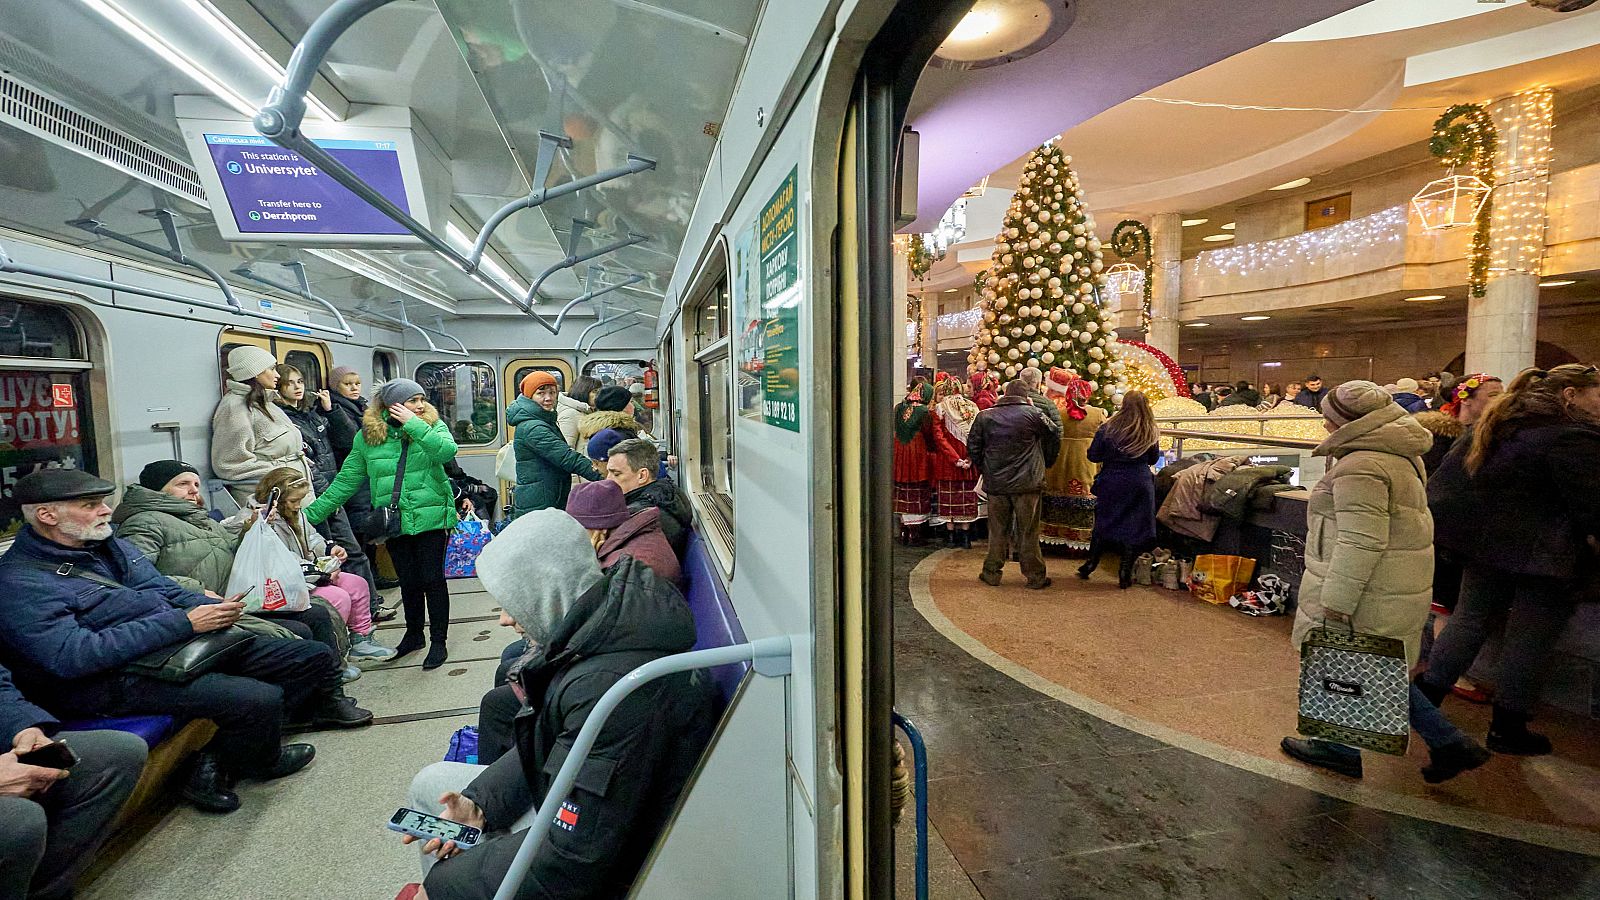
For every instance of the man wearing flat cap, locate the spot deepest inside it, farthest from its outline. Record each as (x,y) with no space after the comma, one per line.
(80,605)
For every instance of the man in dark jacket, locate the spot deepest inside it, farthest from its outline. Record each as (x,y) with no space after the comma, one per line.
(1033,378)
(589,629)
(1311,394)
(80,606)
(56,824)
(633,464)
(1243,395)
(1012,444)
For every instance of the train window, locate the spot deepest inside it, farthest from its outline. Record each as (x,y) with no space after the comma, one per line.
(465,395)
(310,367)
(524,371)
(384,366)
(714,416)
(626,373)
(45,420)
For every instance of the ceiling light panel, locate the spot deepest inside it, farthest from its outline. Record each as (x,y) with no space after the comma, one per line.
(1290,185)
(1214,238)
(996,32)
(1189,223)
(1558,283)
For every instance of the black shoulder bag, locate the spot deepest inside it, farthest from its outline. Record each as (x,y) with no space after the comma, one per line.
(384,521)
(181,664)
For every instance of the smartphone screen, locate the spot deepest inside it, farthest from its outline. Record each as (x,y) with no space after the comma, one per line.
(54,755)
(419,823)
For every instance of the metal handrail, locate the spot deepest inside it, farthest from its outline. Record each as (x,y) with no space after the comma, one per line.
(1251,440)
(302,290)
(591,293)
(280,119)
(771,657)
(919,765)
(404,321)
(9,265)
(1262,417)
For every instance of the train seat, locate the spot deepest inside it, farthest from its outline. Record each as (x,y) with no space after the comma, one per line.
(171,743)
(153,729)
(716,624)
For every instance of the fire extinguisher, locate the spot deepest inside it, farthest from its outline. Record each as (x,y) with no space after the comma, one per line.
(652,399)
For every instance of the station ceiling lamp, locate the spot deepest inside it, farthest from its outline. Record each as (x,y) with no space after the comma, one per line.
(1188,223)
(1558,283)
(996,32)
(1197,324)
(1425,298)
(1228,226)
(1254,318)
(1214,238)
(1290,185)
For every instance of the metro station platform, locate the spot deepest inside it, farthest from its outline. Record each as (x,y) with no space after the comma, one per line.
(1087,741)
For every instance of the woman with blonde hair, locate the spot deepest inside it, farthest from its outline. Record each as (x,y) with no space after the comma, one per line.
(1518,502)
(346,592)
(1126,446)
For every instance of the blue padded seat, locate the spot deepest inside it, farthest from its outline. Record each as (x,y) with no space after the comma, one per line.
(153,729)
(715,622)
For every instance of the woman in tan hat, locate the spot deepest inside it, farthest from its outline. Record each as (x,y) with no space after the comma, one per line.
(250,434)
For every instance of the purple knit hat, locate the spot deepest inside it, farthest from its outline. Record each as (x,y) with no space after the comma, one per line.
(598,505)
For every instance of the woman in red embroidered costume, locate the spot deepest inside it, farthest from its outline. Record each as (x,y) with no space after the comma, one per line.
(954,478)
(913,464)
(1067,512)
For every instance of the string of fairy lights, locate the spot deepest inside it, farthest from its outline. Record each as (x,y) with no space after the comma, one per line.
(1366,233)
(1522,173)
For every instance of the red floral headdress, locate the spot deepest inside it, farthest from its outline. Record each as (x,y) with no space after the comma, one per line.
(1464,390)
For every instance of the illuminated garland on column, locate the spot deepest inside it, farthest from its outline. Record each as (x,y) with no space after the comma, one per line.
(1131,238)
(1465,136)
(913,322)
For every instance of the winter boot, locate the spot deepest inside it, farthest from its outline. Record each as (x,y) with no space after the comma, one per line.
(1125,571)
(1508,733)
(411,643)
(1452,759)
(208,788)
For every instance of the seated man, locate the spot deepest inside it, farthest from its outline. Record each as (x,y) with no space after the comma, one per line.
(632,464)
(56,824)
(588,629)
(80,605)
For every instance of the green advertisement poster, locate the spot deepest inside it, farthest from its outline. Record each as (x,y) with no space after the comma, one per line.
(768,316)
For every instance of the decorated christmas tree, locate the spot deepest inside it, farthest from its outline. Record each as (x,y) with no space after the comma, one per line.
(1040,299)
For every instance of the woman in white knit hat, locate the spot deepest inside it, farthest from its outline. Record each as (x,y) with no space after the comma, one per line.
(250,434)
(1369,559)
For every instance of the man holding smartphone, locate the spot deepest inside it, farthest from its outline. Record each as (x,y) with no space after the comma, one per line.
(56,819)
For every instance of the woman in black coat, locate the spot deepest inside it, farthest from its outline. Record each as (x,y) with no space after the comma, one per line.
(1518,503)
(1126,446)
(344,423)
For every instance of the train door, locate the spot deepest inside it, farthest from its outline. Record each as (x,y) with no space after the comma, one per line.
(312,358)
(513,373)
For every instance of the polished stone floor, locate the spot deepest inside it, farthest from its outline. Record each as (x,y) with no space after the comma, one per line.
(1037,799)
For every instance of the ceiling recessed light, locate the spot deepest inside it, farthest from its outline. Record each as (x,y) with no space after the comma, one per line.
(1254,318)
(1217,237)
(1228,227)
(1187,223)
(949,290)
(1290,185)
(1560,283)
(975,25)
(1197,324)
(996,32)
(1425,298)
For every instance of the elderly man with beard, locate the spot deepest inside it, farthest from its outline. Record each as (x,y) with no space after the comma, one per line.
(80,605)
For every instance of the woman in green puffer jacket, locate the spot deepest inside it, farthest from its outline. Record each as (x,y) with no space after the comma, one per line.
(400,419)
(545,461)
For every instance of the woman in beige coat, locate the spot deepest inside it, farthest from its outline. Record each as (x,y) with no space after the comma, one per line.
(1369,559)
(250,434)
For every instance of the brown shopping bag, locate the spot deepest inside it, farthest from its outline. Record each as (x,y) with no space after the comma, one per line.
(1217,577)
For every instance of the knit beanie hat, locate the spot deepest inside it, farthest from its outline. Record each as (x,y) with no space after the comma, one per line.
(612,398)
(598,505)
(538,568)
(1352,400)
(247,361)
(599,446)
(398,390)
(534,380)
(156,475)
(339,373)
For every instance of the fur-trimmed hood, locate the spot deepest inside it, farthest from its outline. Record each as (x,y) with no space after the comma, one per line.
(1441,424)
(596,422)
(375,422)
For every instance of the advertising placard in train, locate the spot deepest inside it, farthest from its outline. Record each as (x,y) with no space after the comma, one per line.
(39,428)
(767,297)
(271,190)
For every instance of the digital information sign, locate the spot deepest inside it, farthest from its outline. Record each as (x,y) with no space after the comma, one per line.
(273,191)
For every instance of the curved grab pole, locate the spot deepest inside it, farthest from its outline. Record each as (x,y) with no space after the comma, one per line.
(438,329)
(573,258)
(609,331)
(404,321)
(173,252)
(9,265)
(590,295)
(280,119)
(303,291)
(771,657)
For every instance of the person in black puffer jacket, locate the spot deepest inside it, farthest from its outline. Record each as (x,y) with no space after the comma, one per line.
(309,414)
(1518,503)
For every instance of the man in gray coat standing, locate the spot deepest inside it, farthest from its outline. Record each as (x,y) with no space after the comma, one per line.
(1012,443)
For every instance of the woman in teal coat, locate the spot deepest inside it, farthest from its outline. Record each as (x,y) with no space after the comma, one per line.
(545,462)
(401,419)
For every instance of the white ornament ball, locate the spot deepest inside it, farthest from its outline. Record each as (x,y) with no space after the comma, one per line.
(1055,247)
(1059,218)
(1101,341)
(1054,281)
(1066,267)
(1007,259)
(1077,228)
(1037,294)
(1047,357)
(1094,368)
(1094,385)
(1034,244)
(1016,332)
(1055,315)
(1033,278)
(1033,227)
(1096,352)
(1063,236)
(1037,346)
(1078,308)
(1093,326)
(1029,330)
(1013,233)
(988,317)
(1027,262)
(1056,346)
(1044,217)
(1011,371)
(1079,242)
(1096,266)
(1085,288)
(1111,335)
(1002,341)
(1046,326)
(1085,337)
(986,339)
(1013,354)
(1055,293)
(1094,243)
(994,357)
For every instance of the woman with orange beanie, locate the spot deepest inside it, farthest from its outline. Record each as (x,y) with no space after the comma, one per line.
(545,461)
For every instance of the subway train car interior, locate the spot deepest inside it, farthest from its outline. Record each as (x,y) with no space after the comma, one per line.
(817,449)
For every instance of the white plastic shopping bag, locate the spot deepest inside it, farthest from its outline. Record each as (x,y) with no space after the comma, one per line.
(267,572)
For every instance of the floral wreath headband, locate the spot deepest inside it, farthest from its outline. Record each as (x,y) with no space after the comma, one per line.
(1469,386)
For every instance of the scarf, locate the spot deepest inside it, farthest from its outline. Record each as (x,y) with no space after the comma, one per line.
(957,413)
(911,414)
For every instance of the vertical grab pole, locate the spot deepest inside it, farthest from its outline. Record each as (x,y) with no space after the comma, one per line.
(919,765)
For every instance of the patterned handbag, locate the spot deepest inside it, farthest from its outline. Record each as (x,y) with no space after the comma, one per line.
(1355,690)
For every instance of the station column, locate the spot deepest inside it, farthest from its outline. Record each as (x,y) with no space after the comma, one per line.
(929,351)
(1166,252)
(902,281)
(1503,324)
